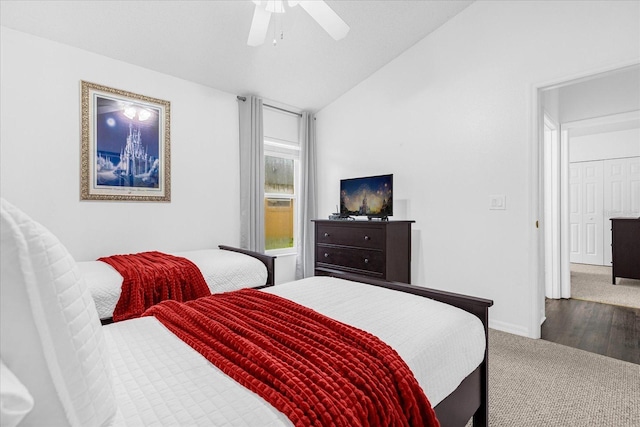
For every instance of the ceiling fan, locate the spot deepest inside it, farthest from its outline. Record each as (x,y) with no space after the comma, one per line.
(317,9)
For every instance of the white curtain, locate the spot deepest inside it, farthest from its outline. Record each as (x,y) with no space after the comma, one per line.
(308,196)
(251,174)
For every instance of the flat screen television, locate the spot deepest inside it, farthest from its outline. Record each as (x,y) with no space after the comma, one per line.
(370,196)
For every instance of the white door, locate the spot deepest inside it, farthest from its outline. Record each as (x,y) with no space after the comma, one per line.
(621,195)
(634,186)
(575,211)
(592,214)
(586,208)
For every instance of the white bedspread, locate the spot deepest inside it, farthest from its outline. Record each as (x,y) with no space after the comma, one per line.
(160,380)
(222,270)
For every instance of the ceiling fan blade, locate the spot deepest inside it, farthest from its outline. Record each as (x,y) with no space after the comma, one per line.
(259,26)
(326,17)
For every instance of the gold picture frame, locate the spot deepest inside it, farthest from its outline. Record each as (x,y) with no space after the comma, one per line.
(125,153)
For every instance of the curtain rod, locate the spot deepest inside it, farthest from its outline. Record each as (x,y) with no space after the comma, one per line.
(244,98)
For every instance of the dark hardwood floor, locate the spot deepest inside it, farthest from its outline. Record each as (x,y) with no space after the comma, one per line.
(605,329)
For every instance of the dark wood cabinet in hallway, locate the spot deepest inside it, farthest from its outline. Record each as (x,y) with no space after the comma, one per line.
(605,329)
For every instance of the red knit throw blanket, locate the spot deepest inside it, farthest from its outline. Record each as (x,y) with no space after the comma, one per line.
(315,370)
(151,277)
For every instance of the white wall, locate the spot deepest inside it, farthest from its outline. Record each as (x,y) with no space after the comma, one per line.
(453,119)
(608,145)
(613,93)
(40,153)
(599,99)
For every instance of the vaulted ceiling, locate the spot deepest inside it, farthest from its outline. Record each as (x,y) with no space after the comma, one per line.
(206,41)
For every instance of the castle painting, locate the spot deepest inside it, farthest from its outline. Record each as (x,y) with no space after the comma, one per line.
(125,145)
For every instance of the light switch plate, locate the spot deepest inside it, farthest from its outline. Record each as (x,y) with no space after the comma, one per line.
(497,202)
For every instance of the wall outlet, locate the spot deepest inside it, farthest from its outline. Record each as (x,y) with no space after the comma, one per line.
(498,202)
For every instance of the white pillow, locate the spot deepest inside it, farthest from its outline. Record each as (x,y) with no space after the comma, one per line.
(15,399)
(50,334)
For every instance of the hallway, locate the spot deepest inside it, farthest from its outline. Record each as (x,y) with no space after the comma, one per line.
(605,329)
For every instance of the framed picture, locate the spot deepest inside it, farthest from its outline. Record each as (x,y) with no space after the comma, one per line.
(125,146)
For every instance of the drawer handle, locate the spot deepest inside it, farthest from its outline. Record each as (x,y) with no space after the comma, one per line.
(326,255)
(366,260)
(366,238)
(326,234)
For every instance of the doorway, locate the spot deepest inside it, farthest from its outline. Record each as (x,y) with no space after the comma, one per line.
(590,146)
(587,111)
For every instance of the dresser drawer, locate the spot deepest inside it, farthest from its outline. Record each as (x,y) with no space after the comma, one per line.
(362,237)
(380,249)
(349,259)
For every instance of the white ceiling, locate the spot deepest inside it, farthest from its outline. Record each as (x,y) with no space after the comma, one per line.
(205,41)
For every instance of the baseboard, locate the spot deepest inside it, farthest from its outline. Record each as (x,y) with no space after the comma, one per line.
(509,328)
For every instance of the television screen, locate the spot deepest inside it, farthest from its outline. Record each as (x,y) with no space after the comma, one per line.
(370,196)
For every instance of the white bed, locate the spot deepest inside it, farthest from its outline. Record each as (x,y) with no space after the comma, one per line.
(68,369)
(197,393)
(223,270)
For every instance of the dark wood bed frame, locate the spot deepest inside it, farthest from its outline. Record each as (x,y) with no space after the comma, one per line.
(471,398)
(267,260)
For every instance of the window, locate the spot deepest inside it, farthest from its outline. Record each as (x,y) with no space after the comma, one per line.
(281,189)
(280,192)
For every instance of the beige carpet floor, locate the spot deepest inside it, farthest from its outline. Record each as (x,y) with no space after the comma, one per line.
(593,283)
(539,383)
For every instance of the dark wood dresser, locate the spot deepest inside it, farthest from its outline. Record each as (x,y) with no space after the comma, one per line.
(625,248)
(380,249)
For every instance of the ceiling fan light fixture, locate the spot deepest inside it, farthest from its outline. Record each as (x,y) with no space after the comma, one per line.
(317,9)
(326,18)
(259,26)
(274,6)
